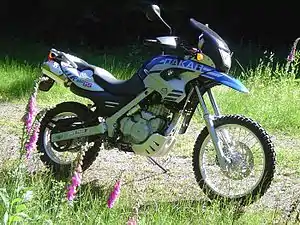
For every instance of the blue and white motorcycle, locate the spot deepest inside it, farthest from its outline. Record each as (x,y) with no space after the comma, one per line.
(233,156)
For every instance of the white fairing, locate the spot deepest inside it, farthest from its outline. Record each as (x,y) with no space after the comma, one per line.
(53,70)
(171,90)
(73,58)
(83,79)
(54,67)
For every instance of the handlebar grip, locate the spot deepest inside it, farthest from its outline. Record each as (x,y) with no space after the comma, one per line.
(151,42)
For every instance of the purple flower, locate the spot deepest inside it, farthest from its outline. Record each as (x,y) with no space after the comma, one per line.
(76,181)
(114,194)
(31,143)
(291,56)
(131,221)
(71,192)
(31,112)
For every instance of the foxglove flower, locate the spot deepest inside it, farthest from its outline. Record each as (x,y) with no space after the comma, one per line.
(71,192)
(76,178)
(31,108)
(131,221)
(114,194)
(31,111)
(31,143)
(76,181)
(291,56)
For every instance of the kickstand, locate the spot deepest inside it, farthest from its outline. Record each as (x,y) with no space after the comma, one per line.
(156,163)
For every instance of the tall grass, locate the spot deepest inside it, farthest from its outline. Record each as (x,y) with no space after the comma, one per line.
(39,199)
(274,95)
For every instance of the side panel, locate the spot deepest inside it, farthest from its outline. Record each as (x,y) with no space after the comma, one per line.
(83,79)
(53,70)
(172,89)
(106,103)
(193,69)
(62,74)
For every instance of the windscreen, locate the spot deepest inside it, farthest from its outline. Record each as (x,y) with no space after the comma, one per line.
(210,33)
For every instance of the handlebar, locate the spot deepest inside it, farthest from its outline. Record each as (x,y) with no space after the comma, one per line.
(187,48)
(151,42)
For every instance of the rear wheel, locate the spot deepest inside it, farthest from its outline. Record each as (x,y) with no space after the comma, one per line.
(252,156)
(60,156)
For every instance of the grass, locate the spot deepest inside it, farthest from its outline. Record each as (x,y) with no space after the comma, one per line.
(274,105)
(273,101)
(47,205)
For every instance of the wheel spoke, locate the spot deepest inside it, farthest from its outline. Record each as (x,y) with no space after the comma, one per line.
(251,153)
(63,152)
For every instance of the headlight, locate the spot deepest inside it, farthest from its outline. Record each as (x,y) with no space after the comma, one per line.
(226,57)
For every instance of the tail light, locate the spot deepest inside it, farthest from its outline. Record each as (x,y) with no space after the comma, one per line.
(51,56)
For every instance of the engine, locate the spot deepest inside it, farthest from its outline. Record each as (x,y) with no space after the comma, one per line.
(139,126)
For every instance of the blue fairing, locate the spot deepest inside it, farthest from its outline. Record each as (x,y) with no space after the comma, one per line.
(157,60)
(191,65)
(226,80)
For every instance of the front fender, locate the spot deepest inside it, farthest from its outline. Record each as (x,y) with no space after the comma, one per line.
(225,79)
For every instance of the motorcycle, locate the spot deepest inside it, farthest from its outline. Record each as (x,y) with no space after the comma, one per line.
(233,156)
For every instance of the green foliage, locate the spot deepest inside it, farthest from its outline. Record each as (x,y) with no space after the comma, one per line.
(48,205)
(13,200)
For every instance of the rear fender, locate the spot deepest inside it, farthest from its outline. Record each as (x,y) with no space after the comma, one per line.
(63,74)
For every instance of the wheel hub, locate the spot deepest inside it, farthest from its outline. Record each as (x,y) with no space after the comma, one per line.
(242,161)
(67,145)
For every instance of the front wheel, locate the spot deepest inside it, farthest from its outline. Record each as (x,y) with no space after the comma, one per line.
(252,160)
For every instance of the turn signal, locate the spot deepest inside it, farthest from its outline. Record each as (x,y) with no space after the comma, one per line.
(199,56)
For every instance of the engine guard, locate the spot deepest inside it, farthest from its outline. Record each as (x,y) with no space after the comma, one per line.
(156,145)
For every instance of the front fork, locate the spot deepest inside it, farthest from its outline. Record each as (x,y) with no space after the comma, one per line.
(223,160)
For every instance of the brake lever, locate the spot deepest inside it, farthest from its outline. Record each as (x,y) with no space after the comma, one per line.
(191,50)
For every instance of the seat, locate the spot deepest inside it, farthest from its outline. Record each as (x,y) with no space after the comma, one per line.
(108,82)
(81,64)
